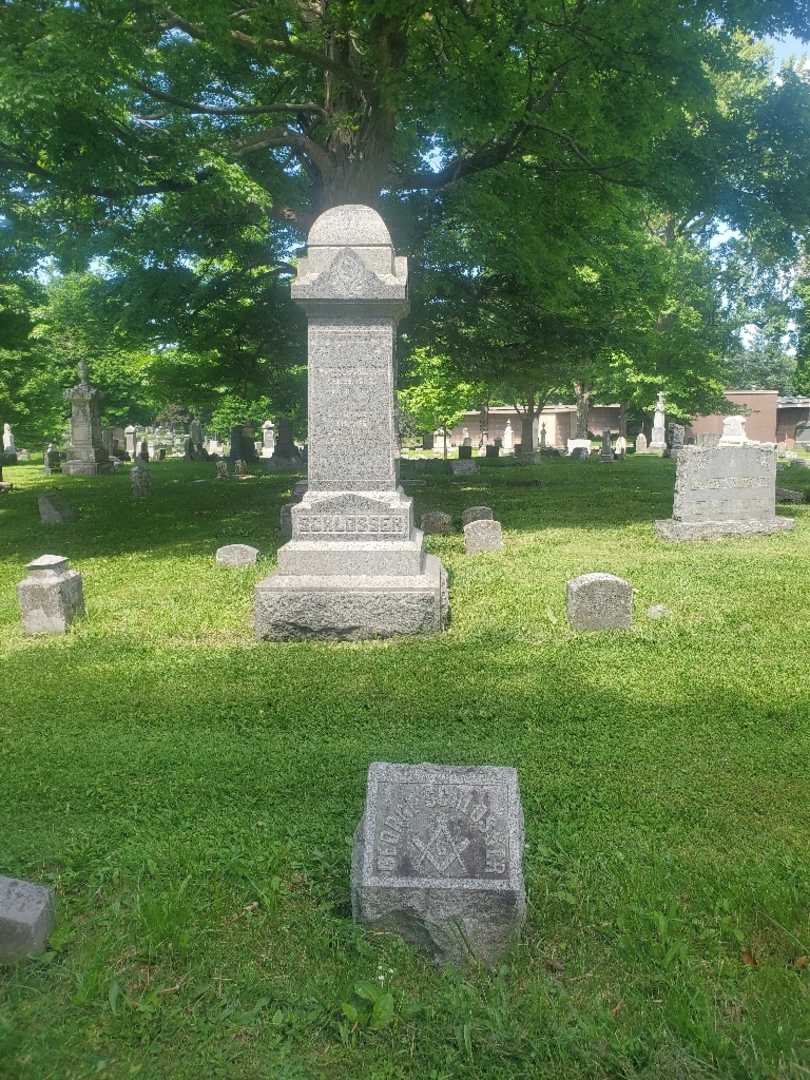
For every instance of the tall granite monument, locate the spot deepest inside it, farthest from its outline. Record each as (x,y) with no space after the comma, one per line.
(87,456)
(659,430)
(355,566)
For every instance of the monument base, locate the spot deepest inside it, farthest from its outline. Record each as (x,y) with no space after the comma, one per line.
(710,530)
(86,468)
(299,607)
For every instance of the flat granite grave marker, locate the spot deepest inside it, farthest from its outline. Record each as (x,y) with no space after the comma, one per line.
(724,491)
(464,468)
(51,596)
(27,917)
(599,602)
(355,566)
(236,555)
(53,510)
(438,858)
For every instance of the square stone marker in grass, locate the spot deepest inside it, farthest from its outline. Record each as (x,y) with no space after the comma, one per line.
(27,917)
(438,858)
(599,602)
(51,596)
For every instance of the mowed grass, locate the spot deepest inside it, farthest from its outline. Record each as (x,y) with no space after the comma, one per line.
(191,794)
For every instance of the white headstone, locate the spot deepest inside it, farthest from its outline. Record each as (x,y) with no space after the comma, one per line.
(508,443)
(659,435)
(733,432)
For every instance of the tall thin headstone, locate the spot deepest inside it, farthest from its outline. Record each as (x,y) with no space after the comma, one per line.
(659,433)
(508,438)
(87,456)
(355,567)
(9,449)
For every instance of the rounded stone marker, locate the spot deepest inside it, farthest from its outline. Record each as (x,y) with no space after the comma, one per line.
(599,602)
(477,513)
(436,523)
(481,536)
(237,555)
(26,918)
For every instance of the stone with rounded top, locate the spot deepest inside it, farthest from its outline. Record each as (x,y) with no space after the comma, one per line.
(483,535)
(436,523)
(477,513)
(50,596)
(236,555)
(27,917)
(438,859)
(352,224)
(599,602)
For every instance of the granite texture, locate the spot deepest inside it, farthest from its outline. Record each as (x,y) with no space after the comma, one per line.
(476,513)
(464,468)
(481,536)
(599,602)
(606,451)
(87,456)
(354,565)
(53,510)
(236,555)
(724,491)
(27,917)
(438,859)
(51,596)
(789,495)
(580,453)
(436,523)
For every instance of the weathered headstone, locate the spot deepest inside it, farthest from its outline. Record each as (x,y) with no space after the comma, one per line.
(465,452)
(286,455)
(268,439)
(621,446)
(476,513)
(87,456)
(733,432)
(606,452)
(659,432)
(188,449)
(508,441)
(143,453)
(141,480)
(599,602)
(678,440)
(790,495)
(481,536)
(240,469)
(9,449)
(641,443)
(53,510)
(27,917)
(464,468)
(222,470)
(436,523)
(492,450)
(236,555)
(580,453)
(579,444)
(724,491)
(285,520)
(51,596)
(355,567)
(52,461)
(131,440)
(438,859)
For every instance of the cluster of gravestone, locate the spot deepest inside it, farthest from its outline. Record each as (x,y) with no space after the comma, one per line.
(481,532)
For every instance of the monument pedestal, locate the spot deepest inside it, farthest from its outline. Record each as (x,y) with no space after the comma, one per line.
(355,566)
(87,455)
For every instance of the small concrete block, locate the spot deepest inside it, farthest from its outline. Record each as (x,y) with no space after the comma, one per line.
(51,596)
(599,602)
(481,536)
(436,523)
(477,513)
(438,858)
(27,917)
(53,510)
(237,555)
(464,468)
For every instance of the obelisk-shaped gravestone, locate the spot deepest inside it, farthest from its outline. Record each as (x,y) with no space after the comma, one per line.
(87,455)
(355,566)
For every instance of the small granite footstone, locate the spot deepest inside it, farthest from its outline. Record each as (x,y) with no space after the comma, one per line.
(476,513)
(436,523)
(53,510)
(483,535)
(599,602)
(51,596)
(438,859)
(237,555)
(27,917)
(658,611)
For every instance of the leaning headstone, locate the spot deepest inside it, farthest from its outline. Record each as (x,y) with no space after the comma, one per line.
(53,510)
(641,443)
(476,513)
(141,480)
(724,491)
(236,555)
(481,536)
(356,566)
(51,596)
(599,602)
(606,452)
(27,917)
(438,859)
(659,432)
(436,523)
(87,456)
(464,468)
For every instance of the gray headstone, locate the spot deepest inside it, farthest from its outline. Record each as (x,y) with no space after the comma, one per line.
(355,566)
(481,536)
(476,513)
(464,468)
(436,523)
(237,555)
(492,450)
(285,520)
(599,602)
(53,510)
(222,470)
(580,453)
(141,480)
(789,495)
(87,455)
(27,917)
(438,858)
(724,491)
(641,443)
(51,596)
(606,452)
(465,452)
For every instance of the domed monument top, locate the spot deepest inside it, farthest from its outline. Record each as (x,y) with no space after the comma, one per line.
(352,225)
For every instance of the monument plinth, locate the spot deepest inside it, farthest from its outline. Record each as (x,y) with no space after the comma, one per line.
(355,566)
(87,456)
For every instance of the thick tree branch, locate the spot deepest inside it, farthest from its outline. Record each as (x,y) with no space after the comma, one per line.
(229,110)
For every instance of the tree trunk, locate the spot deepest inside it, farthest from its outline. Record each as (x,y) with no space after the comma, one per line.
(583,397)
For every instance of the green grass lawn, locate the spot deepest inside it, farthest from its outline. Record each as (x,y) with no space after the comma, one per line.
(191,794)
